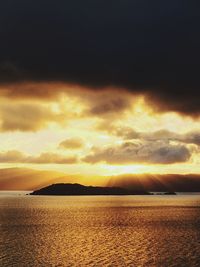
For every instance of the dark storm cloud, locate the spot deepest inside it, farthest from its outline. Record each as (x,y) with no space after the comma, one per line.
(149,47)
(109,104)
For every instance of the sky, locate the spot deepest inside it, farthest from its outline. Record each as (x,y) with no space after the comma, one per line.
(100,87)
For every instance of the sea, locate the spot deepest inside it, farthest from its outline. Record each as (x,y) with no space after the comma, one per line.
(99,231)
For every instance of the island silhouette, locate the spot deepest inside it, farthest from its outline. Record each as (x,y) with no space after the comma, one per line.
(68,189)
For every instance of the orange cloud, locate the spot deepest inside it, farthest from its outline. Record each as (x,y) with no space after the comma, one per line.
(14,156)
(27,117)
(72,143)
(52,158)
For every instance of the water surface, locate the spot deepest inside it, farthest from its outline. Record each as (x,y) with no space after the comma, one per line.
(99,231)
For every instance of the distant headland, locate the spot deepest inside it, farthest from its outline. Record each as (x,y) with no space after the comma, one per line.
(81,190)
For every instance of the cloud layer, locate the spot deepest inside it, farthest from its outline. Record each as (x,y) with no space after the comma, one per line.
(192,137)
(131,153)
(15,156)
(145,47)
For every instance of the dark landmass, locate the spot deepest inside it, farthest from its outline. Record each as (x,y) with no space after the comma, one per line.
(81,190)
(29,179)
(158,182)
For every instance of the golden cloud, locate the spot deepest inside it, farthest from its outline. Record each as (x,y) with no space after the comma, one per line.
(29,116)
(14,156)
(72,143)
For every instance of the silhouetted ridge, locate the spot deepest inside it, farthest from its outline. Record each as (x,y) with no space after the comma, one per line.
(78,189)
(157,182)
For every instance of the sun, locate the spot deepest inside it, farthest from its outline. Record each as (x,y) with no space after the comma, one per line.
(119,169)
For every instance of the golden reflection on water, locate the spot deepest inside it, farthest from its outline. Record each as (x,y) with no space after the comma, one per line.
(100,231)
